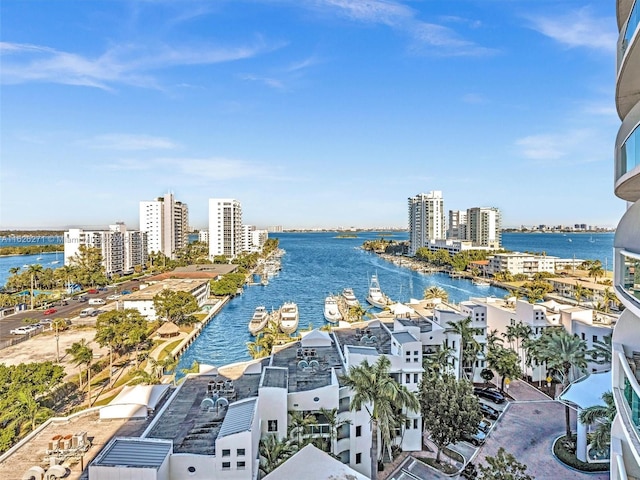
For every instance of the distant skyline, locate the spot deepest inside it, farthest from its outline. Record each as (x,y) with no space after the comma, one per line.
(312,114)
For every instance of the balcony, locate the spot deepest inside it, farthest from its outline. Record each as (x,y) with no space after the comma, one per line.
(627,90)
(627,157)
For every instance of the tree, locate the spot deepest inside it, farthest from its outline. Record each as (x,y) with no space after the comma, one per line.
(32,410)
(34,272)
(82,354)
(603,415)
(142,377)
(469,346)
(505,362)
(331,417)
(503,466)
(565,355)
(487,375)
(382,397)
(609,298)
(298,424)
(176,307)
(433,292)
(274,452)
(579,292)
(58,325)
(438,363)
(450,410)
(88,266)
(601,351)
(596,270)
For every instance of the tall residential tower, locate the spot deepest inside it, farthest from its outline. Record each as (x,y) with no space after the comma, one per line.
(166,222)
(484,227)
(625,362)
(426,219)
(225,227)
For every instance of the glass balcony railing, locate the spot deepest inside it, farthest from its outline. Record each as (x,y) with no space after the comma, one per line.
(632,26)
(630,275)
(633,401)
(630,153)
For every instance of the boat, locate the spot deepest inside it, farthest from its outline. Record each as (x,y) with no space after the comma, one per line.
(350,297)
(479,282)
(259,320)
(331,310)
(289,317)
(56,261)
(375,296)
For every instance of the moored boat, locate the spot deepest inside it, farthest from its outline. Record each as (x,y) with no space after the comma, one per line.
(350,297)
(331,310)
(479,282)
(289,317)
(259,320)
(375,296)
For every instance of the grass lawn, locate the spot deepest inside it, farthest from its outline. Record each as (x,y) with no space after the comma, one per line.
(568,457)
(443,467)
(168,349)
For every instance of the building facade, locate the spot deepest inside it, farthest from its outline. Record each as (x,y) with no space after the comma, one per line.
(625,436)
(426,220)
(166,223)
(484,227)
(122,250)
(225,227)
(457,229)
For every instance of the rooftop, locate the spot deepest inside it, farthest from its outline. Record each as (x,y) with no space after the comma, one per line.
(403,337)
(134,452)
(361,337)
(424,324)
(173,284)
(239,418)
(195,415)
(308,368)
(275,378)
(99,433)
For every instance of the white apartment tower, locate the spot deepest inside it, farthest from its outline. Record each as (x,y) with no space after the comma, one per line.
(166,222)
(625,362)
(484,227)
(457,225)
(426,219)
(225,227)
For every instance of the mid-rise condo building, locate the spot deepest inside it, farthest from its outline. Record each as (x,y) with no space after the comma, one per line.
(426,220)
(484,227)
(166,222)
(225,227)
(625,431)
(122,250)
(457,229)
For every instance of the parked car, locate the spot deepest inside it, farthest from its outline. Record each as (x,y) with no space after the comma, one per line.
(92,291)
(489,412)
(50,311)
(95,313)
(476,439)
(24,330)
(125,292)
(102,289)
(484,426)
(115,296)
(490,394)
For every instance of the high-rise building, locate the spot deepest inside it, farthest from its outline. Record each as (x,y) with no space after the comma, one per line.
(625,363)
(426,219)
(122,250)
(166,222)
(225,227)
(484,227)
(457,229)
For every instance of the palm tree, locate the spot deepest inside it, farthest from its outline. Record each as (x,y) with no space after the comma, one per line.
(34,271)
(469,346)
(331,416)
(433,292)
(604,415)
(298,423)
(31,409)
(493,340)
(274,452)
(382,397)
(601,351)
(579,292)
(58,325)
(565,354)
(439,362)
(609,297)
(82,354)
(596,270)
(142,377)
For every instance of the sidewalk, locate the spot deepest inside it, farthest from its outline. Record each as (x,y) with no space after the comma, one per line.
(522,391)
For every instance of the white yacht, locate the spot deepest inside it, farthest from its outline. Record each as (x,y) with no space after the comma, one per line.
(331,311)
(259,320)
(350,297)
(375,296)
(481,282)
(289,317)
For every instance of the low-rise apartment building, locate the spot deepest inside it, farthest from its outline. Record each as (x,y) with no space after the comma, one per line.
(142,300)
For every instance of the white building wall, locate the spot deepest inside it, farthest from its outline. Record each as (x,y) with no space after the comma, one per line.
(204,465)
(225,227)
(273,405)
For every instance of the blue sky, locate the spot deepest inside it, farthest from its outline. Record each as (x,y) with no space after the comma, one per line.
(312,113)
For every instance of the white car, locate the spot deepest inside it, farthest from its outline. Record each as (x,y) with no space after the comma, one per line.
(115,296)
(23,330)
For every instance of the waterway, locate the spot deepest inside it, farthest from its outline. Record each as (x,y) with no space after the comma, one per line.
(317,264)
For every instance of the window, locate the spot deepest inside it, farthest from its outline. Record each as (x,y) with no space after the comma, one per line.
(358,431)
(241,465)
(226,452)
(407,378)
(415,378)
(415,352)
(358,458)
(595,338)
(415,423)
(272,425)
(226,465)
(583,336)
(407,424)
(241,452)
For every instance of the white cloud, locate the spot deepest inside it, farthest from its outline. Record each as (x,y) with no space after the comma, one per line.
(570,147)
(578,28)
(474,99)
(123,64)
(123,141)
